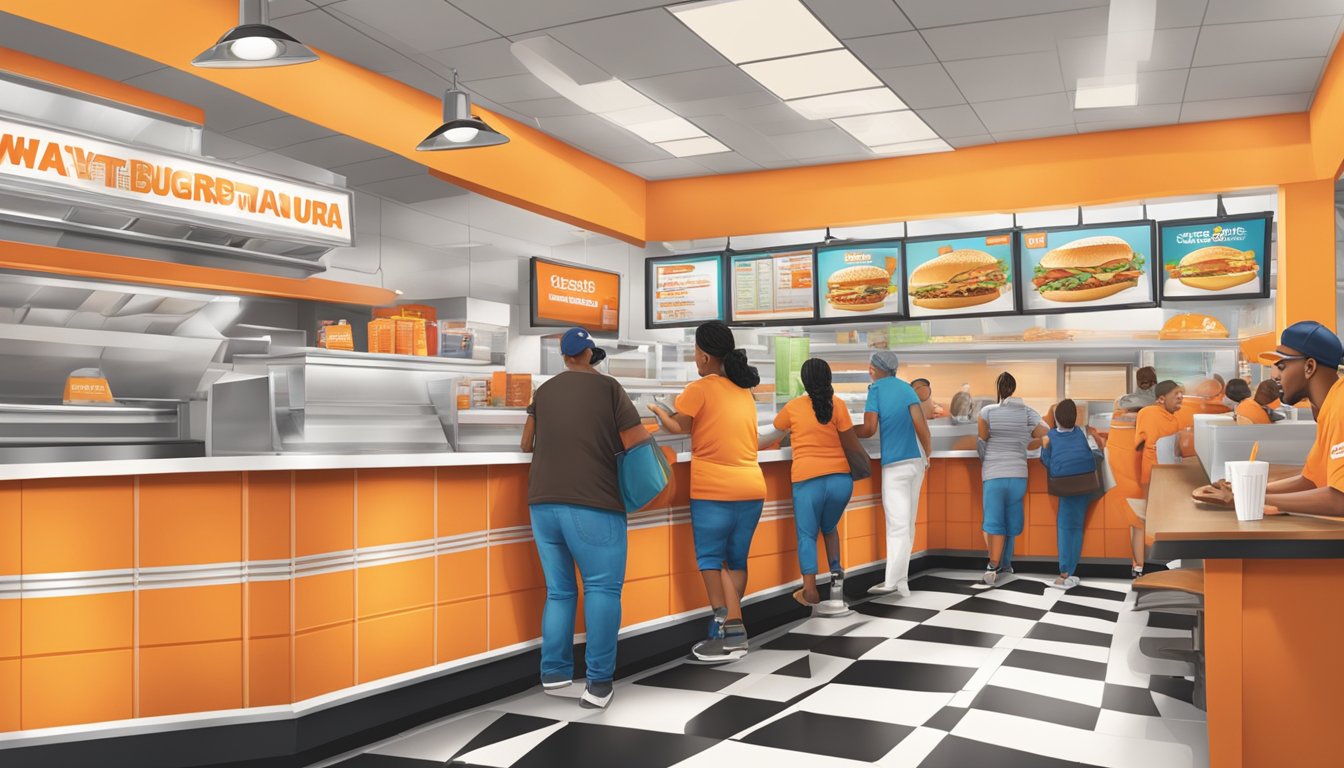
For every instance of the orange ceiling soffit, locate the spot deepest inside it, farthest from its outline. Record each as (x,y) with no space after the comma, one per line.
(28,257)
(1327,118)
(532,170)
(73,79)
(1088,169)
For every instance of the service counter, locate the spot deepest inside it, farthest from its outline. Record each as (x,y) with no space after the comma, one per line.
(1271,626)
(219,584)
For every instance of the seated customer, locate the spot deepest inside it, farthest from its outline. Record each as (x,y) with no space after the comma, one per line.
(1255,410)
(1143,396)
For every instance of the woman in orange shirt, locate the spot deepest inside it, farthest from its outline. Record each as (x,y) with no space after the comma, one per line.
(819,424)
(1154,423)
(727,486)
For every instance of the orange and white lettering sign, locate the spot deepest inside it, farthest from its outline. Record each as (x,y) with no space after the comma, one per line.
(567,294)
(41,160)
(87,389)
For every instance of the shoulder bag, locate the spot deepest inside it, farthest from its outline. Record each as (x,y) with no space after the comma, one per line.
(642,473)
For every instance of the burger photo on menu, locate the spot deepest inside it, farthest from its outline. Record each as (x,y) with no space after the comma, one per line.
(1102,266)
(1214,259)
(961,275)
(858,281)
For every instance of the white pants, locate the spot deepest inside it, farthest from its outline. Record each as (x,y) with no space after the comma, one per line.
(901,481)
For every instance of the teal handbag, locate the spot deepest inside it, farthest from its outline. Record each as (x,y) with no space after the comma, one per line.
(643,473)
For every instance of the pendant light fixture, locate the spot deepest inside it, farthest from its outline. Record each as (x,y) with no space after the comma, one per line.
(254,43)
(460,129)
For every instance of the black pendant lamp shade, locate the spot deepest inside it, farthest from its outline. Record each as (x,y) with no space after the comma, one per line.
(254,43)
(460,129)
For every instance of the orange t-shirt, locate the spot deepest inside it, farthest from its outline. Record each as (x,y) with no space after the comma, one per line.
(1154,423)
(1325,463)
(1251,411)
(816,446)
(723,440)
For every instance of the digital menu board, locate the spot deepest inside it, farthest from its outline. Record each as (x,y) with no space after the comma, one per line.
(1090,267)
(683,290)
(964,275)
(771,287)
(1210,259)
(859,282)
(565,295)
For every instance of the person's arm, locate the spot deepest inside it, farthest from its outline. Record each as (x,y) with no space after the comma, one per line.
(1326,501)
(1036,435)
(529,434)
(632,431)
(1045,454)
(869,426)
(672,423)
(984,428)
(922,430)
(634,436)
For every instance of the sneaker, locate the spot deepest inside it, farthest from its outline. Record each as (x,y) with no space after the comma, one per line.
(903,589)
(716,622)
(991,576)
(555,685)
(596,695)
(1135,573)
(1065,582)
(1072,582)
(881,589)
(717,650)
(735,636)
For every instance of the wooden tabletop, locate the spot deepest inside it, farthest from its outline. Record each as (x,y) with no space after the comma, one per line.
(1181,527)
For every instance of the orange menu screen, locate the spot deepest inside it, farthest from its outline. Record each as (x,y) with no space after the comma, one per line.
(568,294)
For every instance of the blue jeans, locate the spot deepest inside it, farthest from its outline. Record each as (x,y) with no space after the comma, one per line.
(818,504)
(1003,498)
(1069,524)
(722,531)
(595,539)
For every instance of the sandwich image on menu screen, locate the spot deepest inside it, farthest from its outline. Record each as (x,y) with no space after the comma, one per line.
(1219,258)
(1215,268)
(1087,269)
(958,279)
(858,289)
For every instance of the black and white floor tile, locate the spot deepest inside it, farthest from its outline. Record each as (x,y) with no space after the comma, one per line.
(1017,676)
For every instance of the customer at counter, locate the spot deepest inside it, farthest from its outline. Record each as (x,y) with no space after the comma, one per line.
(727,485)
(1067,455)
(1143,396)
(1155,423)
(1307,361)
(578,421)
(924,390)
(819,425)
(1009,429)
(893,409)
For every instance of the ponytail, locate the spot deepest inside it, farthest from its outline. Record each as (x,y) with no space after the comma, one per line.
(817,381)
(715,339)
(1005,386)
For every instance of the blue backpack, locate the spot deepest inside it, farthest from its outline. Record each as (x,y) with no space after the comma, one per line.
(643,473)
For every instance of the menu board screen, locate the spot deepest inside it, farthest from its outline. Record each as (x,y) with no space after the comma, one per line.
(565,295)
(1223,258)
(772,286)
(1098,266)
(684,290)
(968,275)
(859,282)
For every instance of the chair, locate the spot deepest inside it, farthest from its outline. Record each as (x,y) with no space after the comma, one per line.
(1179,591)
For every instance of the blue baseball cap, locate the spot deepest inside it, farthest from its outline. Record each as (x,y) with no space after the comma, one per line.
(1307,339)
(574,341)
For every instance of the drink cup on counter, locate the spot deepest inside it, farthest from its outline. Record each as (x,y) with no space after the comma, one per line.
(1248,479)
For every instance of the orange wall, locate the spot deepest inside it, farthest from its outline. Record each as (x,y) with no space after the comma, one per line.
(1306,253)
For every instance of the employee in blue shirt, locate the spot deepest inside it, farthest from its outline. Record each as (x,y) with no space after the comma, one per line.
(894,411)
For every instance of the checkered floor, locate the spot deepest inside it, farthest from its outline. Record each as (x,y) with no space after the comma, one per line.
(1017,676)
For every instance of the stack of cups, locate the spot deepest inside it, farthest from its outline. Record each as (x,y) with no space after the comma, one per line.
(1248,479)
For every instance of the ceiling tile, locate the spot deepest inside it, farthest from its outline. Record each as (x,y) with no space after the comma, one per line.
(924,85)
(333,151)
(1224,109)
(953,122)
(1228,11)
(511,88)
(596,136)
(937,13)
(1002,77)
(961,142)
(424,25)
(57,45)
(902,49)
(1265,78)
(672,168)
(281,132)
(1265,40)
(1086,56)
(1030,34)
(636,45)
(725,162)
(283,8)
(720,105)
(379,169)
(1126,117)
(331,35)
(512,18)
(1180,13)
(859,18)
(1028,113)
(824,143)
(744,139)
(1164,87)
(1036,133)
(414,189)
(700,84)
(225,110)
(480,61)
(554,107)
(219,146)
(420,78)
(777,119)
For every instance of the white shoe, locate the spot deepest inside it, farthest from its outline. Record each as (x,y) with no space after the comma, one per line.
(903,588)
(883,589)
(556,687)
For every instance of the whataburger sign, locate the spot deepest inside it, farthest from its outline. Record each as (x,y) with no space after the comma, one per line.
(225,196)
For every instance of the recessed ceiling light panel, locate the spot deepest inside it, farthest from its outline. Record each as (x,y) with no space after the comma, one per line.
(705,145)
(1099,92)
(752,30)
(887,128)
(833,105)
(813,74)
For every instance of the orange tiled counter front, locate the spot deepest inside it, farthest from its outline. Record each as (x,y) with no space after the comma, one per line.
(124,597)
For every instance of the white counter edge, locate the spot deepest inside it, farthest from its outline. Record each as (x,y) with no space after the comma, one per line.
(272,463)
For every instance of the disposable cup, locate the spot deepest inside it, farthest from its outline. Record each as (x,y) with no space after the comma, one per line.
(1248,479)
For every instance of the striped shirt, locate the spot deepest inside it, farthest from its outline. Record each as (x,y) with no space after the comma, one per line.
(1010,426)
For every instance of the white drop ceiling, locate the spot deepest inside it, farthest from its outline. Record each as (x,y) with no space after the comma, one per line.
(974,71)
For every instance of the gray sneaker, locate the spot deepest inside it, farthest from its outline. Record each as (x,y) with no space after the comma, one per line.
(596,695)
(730,647)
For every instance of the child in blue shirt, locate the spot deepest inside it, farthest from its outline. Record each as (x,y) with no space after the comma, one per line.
(1067,452)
